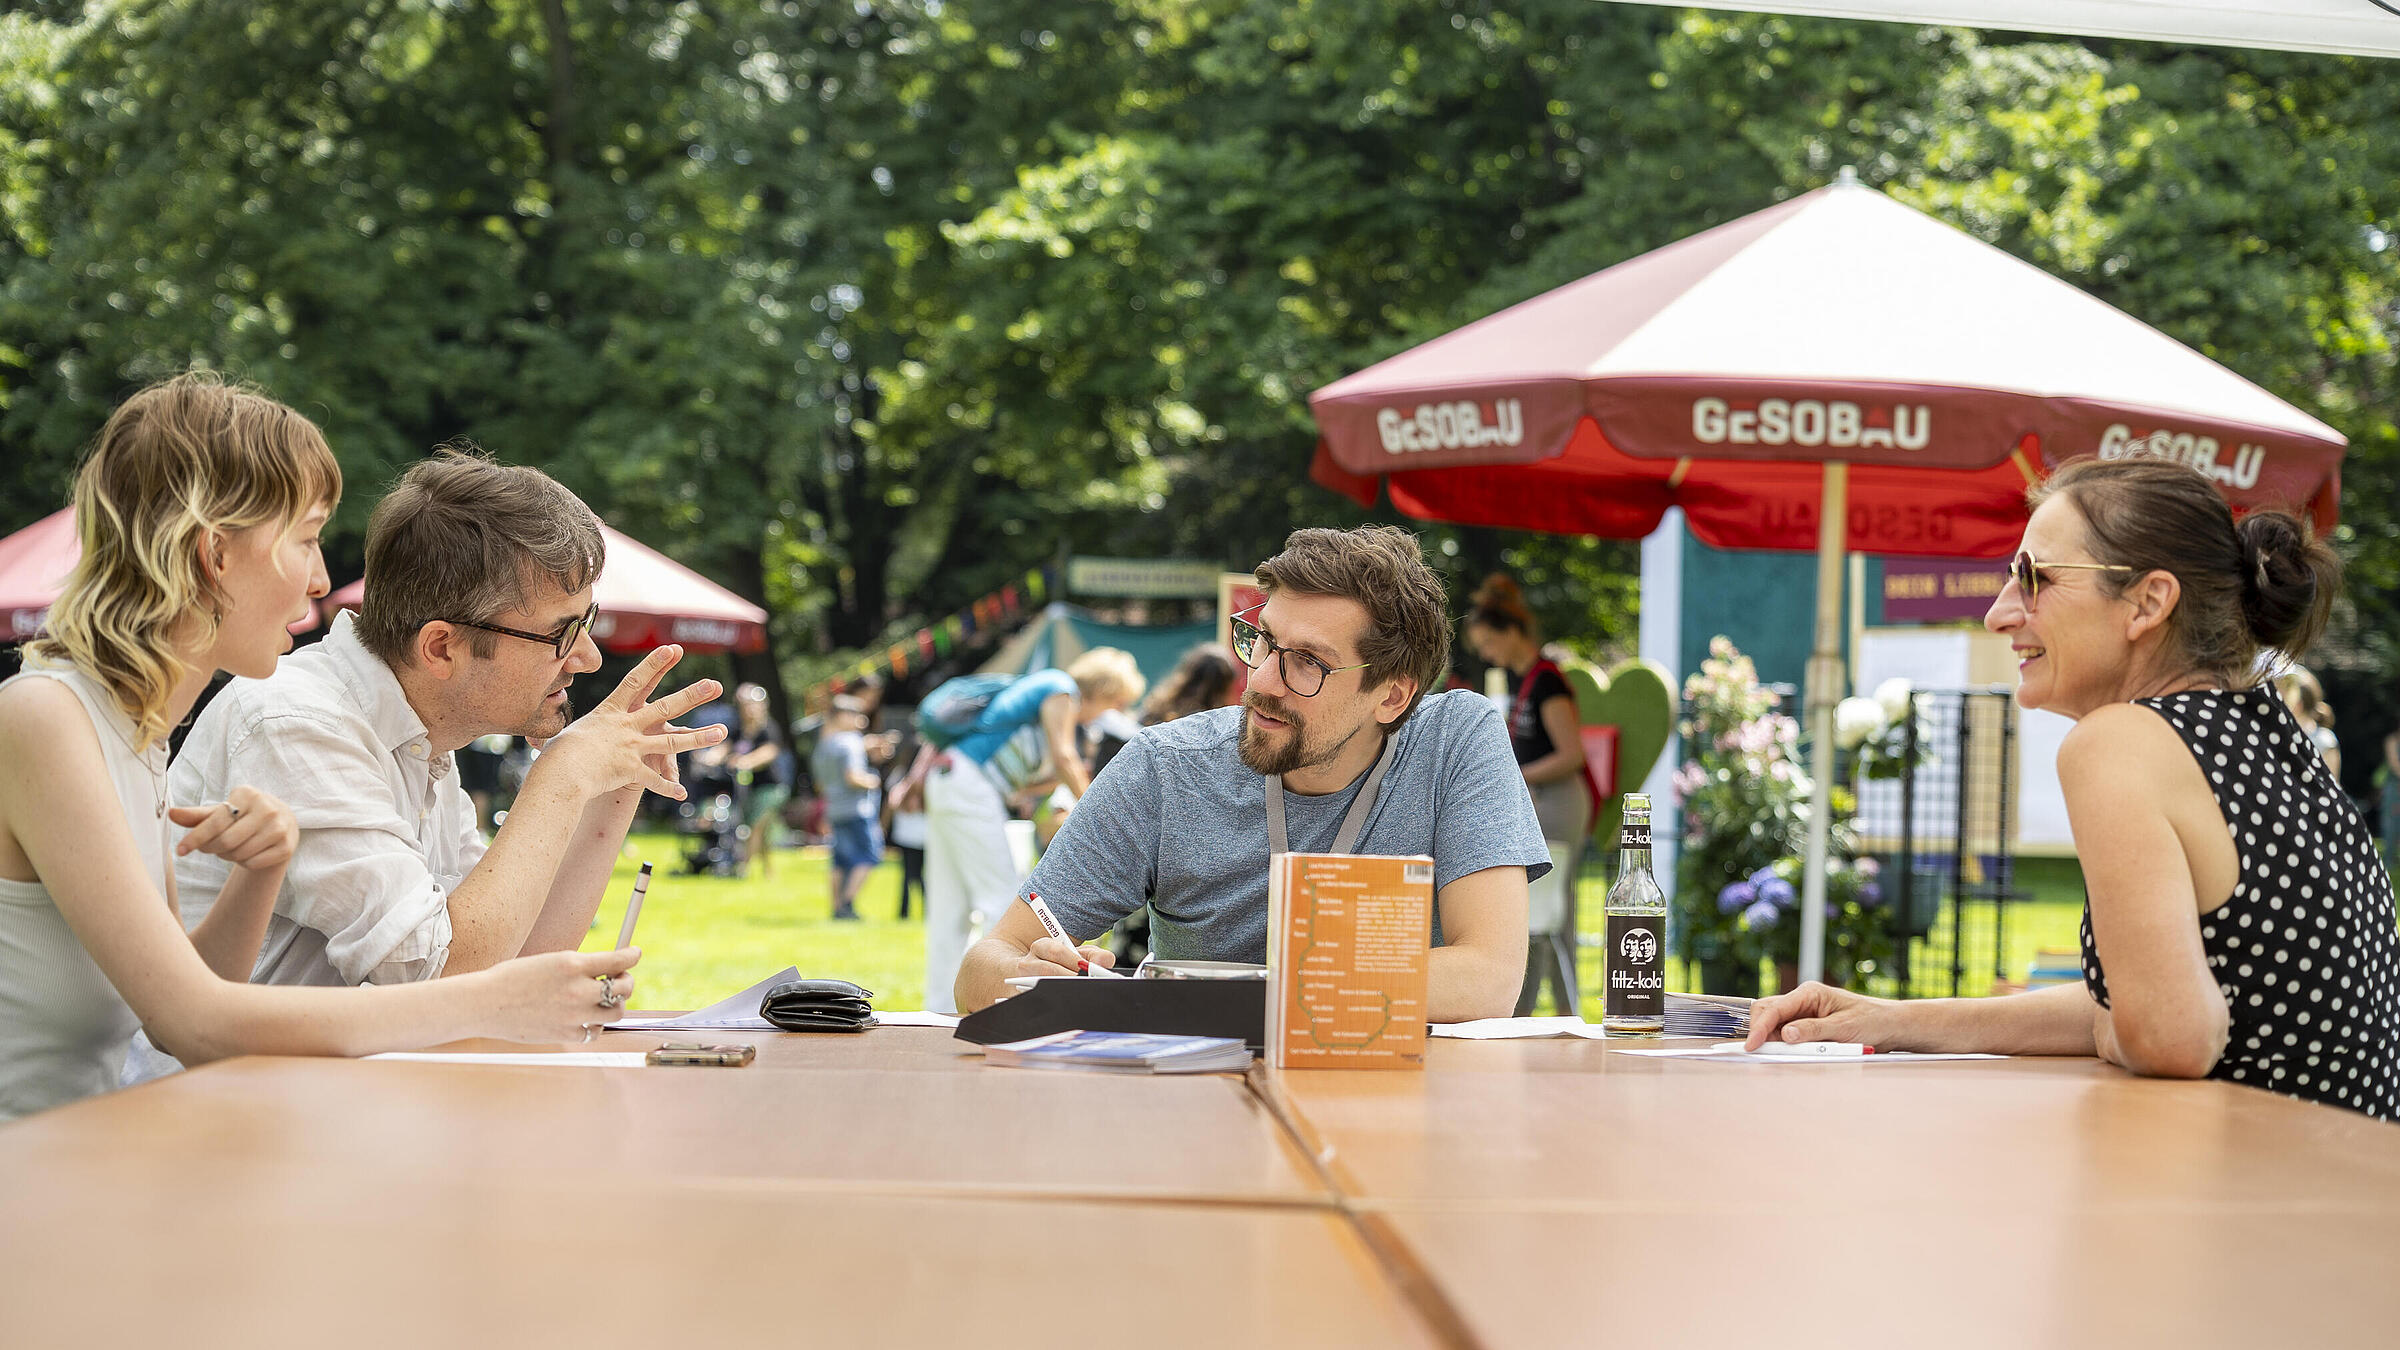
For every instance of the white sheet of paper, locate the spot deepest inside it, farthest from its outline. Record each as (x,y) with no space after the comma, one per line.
(1732,1053)
(1517,1029)
(572,1059)
(738,1013)
(914,1019)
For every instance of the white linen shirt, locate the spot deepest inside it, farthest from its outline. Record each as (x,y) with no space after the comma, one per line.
(386,833)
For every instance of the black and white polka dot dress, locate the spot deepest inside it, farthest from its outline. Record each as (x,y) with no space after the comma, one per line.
(2304,949)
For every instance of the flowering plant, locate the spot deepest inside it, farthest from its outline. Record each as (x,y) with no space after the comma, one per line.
(1766,908)
(1746,803)
(1874,732)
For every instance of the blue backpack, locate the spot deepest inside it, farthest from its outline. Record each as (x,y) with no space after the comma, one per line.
(949,714)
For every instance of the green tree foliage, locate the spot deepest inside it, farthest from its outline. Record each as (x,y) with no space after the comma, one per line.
(865,308)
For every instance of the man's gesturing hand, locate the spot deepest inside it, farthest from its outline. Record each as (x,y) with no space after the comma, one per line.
(623,742)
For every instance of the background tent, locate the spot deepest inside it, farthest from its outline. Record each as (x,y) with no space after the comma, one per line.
(34,563)
(648,600)
(1062,632)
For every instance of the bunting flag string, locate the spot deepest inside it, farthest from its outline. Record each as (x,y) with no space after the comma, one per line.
(938,641)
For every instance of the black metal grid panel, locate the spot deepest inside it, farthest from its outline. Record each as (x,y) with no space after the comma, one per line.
(1944,833)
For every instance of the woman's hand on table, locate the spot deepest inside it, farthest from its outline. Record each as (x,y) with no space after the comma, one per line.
(1820,1012)
(556,996)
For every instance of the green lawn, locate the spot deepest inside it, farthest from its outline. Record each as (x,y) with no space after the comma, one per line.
(705,937)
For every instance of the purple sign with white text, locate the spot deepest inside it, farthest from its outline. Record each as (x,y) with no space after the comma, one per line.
(1940,590)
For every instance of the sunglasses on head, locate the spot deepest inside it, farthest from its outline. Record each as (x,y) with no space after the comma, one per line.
(2026,570)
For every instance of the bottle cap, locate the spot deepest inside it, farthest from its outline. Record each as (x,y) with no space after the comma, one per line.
(1637,801)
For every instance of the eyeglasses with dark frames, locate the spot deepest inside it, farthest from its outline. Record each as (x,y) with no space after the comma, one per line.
(1303,674)
(2026,570)
(561,642)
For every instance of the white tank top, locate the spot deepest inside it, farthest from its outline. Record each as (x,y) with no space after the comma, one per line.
(63,1027)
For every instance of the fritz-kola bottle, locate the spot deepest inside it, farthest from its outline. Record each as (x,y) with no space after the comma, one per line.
(1635,1002)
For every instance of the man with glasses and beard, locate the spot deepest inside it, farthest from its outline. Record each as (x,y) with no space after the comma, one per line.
(1336,737)
(477,619)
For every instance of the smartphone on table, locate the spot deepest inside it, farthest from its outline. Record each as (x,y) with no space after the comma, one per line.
(695,1052)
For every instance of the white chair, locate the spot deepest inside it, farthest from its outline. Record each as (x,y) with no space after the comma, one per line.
(1550,941)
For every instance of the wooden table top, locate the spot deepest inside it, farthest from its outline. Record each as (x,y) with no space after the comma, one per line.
(1569,1124)
(891,1111)
(1561,1194)
(375,1259)
(885,1189)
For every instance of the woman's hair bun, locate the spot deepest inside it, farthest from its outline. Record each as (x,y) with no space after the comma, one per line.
(2289,577)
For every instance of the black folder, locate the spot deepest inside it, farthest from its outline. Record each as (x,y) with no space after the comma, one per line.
(1230,1008)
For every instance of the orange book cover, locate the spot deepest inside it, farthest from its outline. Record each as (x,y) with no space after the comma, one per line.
(1348,942)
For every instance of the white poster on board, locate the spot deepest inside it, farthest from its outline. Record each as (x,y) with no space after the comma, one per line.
(1945,658)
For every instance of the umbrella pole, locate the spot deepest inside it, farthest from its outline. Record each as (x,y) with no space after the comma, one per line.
(1824,691)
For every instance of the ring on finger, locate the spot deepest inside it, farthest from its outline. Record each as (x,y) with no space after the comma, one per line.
(232,812)
(590,1029)
(609,997)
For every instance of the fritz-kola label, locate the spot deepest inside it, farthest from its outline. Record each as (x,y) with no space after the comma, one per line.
(1637,973)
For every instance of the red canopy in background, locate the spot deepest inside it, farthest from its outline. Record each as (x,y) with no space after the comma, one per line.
(1721,372)
(647,600)
(34,563)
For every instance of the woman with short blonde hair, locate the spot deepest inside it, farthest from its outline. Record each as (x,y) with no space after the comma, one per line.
(1108,676)
(199,509)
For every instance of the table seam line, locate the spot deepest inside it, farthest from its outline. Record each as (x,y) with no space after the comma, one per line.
(1407,1273)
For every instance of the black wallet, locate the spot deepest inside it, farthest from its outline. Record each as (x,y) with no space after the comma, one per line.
(817,1005)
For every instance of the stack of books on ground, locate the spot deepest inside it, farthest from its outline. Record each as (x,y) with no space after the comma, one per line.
(1123,1052)
(1711,1015)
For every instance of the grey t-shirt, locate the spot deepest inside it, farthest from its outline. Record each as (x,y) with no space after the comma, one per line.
(837,754)
(1177,820)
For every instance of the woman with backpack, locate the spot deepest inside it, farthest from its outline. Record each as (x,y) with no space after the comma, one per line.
(980,727)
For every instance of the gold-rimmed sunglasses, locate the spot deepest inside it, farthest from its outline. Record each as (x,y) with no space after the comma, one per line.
(561,642)
(2026,570)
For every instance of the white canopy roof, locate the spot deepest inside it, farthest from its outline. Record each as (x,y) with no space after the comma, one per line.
(2358,27)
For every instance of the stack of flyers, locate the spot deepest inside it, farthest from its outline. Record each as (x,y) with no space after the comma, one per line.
(1711,1015)
(1123,1052)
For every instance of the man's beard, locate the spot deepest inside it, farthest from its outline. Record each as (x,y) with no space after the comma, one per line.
(1263,759)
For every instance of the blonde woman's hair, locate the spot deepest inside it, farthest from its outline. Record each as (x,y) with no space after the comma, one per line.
(1108,673)
(183,459)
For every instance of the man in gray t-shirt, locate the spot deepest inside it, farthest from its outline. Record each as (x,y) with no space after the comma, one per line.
(1353,630)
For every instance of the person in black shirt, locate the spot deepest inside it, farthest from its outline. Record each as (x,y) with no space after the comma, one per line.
(1542,723)
(757,747)
(1547,735)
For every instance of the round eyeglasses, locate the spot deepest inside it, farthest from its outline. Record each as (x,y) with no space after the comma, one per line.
(1302,674)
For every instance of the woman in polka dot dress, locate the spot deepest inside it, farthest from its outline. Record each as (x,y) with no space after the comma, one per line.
(2239,923)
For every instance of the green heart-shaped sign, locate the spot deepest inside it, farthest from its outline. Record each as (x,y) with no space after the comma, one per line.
(1638,700)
